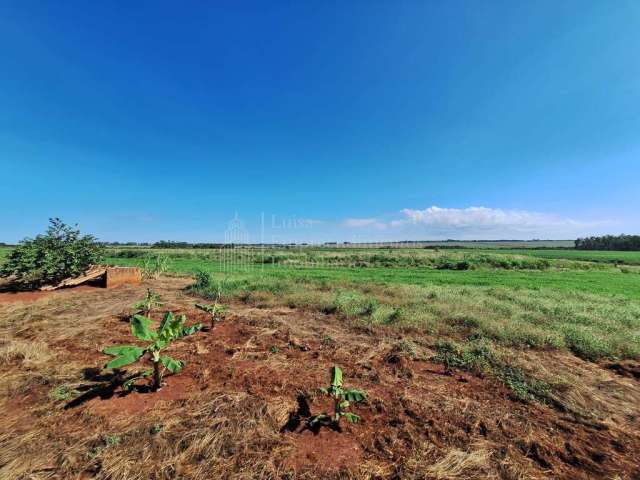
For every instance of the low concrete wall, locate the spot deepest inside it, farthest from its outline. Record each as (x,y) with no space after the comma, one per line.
(123,275)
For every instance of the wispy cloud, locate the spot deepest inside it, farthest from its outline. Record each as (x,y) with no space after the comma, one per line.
(483,217)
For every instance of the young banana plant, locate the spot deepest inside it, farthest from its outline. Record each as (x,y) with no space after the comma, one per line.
(171,328)
(150,301)
(216,311)
(342,399)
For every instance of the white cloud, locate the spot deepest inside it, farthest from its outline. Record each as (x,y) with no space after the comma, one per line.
(363,222)
(477,223)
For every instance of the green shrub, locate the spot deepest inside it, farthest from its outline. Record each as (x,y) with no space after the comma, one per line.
(50,258)
(203,280)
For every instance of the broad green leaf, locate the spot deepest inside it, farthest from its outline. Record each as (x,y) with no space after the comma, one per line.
(123,360)
(167,320)
(174,366)
(205,308)
(159,344)
(337,377)
(123,350)
(140,328)
(351,417)
(186,331)
(355,395)
(171,327)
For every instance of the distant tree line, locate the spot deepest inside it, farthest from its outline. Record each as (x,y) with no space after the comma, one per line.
(609,242)
(172,244)
(126,244)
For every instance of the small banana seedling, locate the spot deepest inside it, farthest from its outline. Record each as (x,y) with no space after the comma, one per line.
(342,399)
(216,311)
(150,301)
(171,328)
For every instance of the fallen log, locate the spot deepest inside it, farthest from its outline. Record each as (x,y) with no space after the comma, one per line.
(93,272)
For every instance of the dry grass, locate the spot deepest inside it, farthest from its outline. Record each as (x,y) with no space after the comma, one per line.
(221,437)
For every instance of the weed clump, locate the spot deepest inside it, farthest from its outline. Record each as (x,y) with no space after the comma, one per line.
(479,358)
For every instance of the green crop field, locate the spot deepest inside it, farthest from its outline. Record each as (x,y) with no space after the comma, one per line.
(626,258)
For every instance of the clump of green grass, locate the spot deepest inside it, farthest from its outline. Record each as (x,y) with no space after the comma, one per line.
(63,393)
(476,357)
(406,347)
(524,387)
(479,358)
(353,305)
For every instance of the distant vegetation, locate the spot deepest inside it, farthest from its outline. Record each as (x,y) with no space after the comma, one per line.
(610,242)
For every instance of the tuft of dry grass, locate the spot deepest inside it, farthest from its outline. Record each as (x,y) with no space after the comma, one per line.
(427,461)
(29,354)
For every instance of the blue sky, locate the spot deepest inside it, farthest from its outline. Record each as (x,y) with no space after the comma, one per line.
(320,121)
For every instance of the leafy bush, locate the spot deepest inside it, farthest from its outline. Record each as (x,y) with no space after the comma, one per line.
(50,258)
(215,310)
(203,280)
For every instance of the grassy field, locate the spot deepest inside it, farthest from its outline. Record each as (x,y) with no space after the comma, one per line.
(624,258)
(509,269)
(514,299)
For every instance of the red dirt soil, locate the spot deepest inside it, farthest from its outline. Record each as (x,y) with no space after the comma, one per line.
(411,402)
(33,295)
(232,357)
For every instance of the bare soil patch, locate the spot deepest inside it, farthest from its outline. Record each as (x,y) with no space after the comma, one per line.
(238,408)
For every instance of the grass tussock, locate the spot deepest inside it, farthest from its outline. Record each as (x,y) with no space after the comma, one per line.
(456,464)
